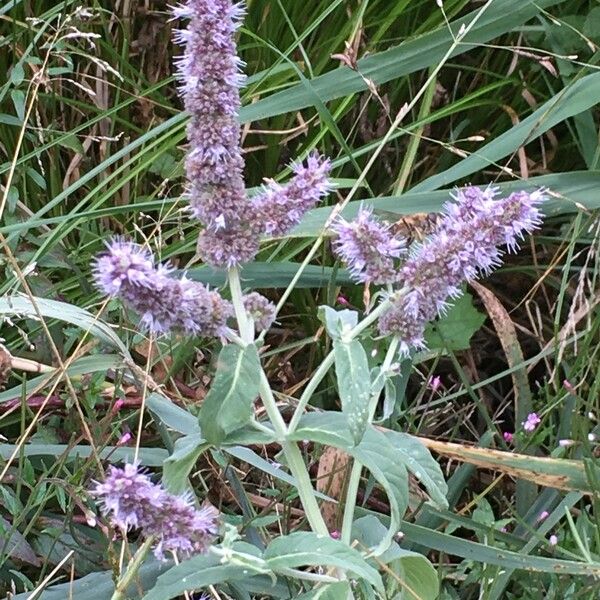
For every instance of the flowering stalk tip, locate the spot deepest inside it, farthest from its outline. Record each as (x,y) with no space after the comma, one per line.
(209,72)
(466,244)
(165,302)
(133,501)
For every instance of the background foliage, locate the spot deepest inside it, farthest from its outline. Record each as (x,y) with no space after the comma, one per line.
(91,142)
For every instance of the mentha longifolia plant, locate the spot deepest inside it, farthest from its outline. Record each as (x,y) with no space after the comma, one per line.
(418,283)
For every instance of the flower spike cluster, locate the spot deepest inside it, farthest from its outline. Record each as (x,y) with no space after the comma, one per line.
(166,303)
(467,243)
(209,71)
(281,207)
(368,247)
(133,501)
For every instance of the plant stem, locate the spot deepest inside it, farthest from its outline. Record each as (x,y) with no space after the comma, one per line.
(294,460)
(290,449)
(235,286)
(320,373)
(132,570)
(354,482)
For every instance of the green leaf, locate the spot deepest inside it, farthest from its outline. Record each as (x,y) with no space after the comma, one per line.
(568,191)
(228,404)
(354,384)
(572,100)
(171,415)
(454,330)
(273,275)
(17,74)
(22,306)
(204,570)
(86,364)
(177,467)
(501,557)
(411,56)
(306,548)
(249,456)
(375,452)
(333,591)
(415,575)
(15,545)
(149,457)
(337,322)
(418,460)
(100,586)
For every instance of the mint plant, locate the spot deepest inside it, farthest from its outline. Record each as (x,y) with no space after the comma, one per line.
(419,283)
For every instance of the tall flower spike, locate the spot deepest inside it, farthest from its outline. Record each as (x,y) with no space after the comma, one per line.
(210,78)
(133,501)
(281,207)
(466,244)
(369,248)
(166,303)
(209,72)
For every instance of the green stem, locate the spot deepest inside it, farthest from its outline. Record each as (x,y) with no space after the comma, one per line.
(237,299)
(320,373)
(354,482)
(294,460)
(132,570)
(290,449)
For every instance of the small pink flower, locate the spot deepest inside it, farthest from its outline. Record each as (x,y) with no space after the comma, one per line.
(434,383)
(543,515)
(508,437)
(118,405)
(553,540)
(568,386)
(335,534)
(124,439)
(532,422)
(342,300)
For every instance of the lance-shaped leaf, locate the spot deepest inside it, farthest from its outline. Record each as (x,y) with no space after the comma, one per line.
(354,384)
(228,404)
(306,548)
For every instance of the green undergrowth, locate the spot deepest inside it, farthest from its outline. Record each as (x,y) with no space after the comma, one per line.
(92,140)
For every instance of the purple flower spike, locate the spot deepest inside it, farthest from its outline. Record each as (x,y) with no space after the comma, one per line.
(209,72)
(281,207)
(165,303)
(126,495)
(466,244)
(369,248)
(132,500)
(260,309)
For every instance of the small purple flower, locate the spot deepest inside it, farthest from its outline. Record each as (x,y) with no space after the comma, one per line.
(508,437)
(543,516)
(132,500)
(181,527)
(553,540)
(368,247)
(166,303)
(126,495)
(281,207)
(532,421)
(260,310)
(466,244)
